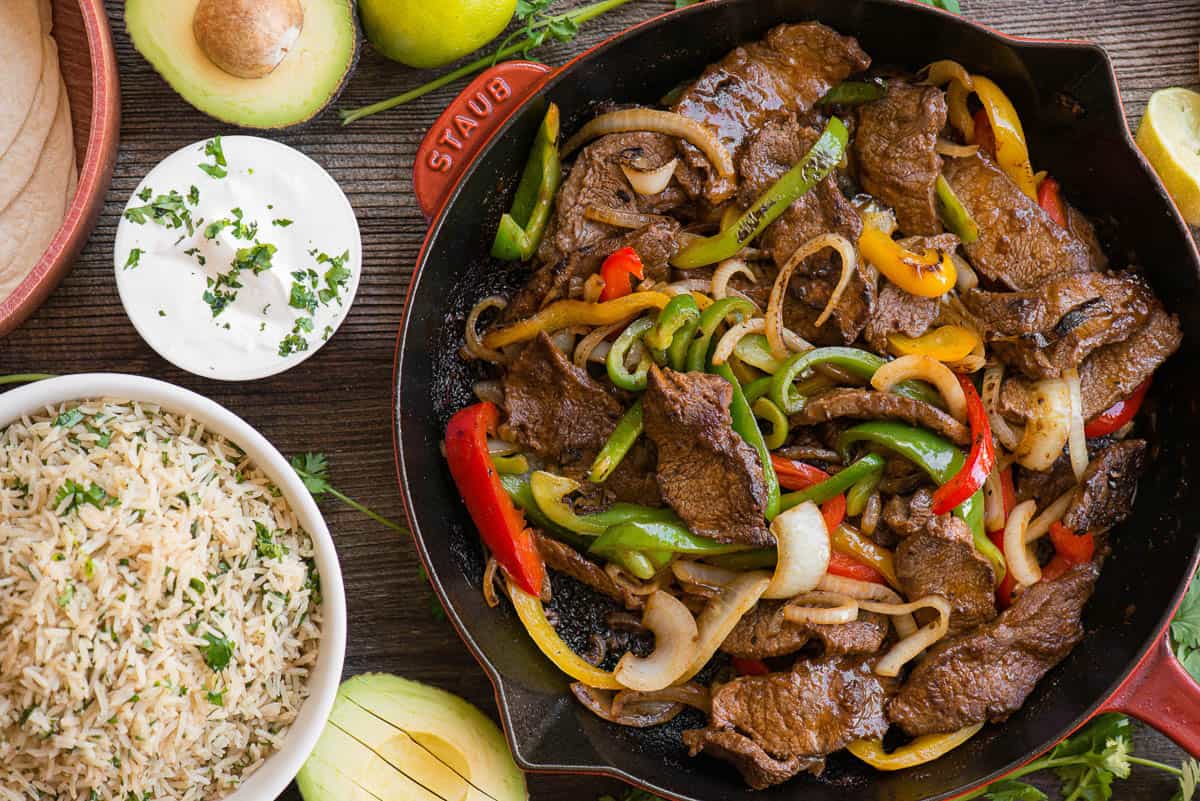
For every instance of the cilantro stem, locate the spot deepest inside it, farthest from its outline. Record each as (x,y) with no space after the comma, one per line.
(577,16)
(1150,763)
(1033,767)
(353,504)
(24,378)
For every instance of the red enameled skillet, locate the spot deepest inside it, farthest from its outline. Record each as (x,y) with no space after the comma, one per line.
(1069,103)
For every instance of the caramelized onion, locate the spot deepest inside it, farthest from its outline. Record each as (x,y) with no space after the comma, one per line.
(924,368)
(490,574)
(1076,439)
(587,346)
(967,277)
(656,121)
(993,502)
(1021,563)
(774,317)
(1040,525)
(722,613)
(725,271)
(954,150)
(675,641)
(474,346)
(618,217)
(1047,431)
(803,543)
(699,574)
(870,516)
(870,591)
(913,644)
(650,182)
(822,608)
(635,715)
(691,694)
(993,376)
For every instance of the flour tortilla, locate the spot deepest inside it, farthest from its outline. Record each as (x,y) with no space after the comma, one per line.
(21,37)
(30,222)
(18,162)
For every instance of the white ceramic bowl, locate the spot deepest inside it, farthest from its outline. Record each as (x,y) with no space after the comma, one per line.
(282,766)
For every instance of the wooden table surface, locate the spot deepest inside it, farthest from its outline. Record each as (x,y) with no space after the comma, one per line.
(339,401)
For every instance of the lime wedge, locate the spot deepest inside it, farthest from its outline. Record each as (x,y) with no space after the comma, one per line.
(1169,135)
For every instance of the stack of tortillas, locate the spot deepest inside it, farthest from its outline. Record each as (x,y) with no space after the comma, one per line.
(37,147)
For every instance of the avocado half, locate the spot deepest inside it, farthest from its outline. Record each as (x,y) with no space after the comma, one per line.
(391,739)
(304,83)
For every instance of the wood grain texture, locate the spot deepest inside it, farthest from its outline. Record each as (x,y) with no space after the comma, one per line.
(339,400)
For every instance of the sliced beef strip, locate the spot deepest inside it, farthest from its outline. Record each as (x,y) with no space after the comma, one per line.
(897,312)
(894,151)
(1058,323)
(1044,486)
(1019,244)
(1085,232)
(555,409)
(708,474)
(986,674)
(907,516)
(764,632)
(655,243)
(942,560)
(1105,494)
(867,404)
(813,710)
(758,768)
(565,559)
(787,72)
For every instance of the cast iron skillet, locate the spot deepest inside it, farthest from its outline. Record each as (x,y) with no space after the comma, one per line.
(1067,97)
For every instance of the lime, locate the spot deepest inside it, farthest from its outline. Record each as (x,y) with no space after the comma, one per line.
(1169,135)
(430,33)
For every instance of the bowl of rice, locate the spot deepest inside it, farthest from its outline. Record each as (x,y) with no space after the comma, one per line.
(172,617)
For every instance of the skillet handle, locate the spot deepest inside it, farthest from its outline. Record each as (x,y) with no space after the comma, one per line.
(1161,693)
(458,136)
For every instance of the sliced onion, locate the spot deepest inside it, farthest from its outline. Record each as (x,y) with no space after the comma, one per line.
(1051,514)
(474,343)
(870,516)
(803,543)
(954,150)
(779,290)
(1047,431)
(849,268)
(587,346)
(656,121)
(638,715)
(870,591)
(489,390)
(632,584)
(1076,439)
(618,217)
(822,608)
(729,340)
(688,285)
(967,277)
(675,641)
(650,182)
(973,362)
(913,644)
(993,377)
(924,368)
(722,613)
(1021,562)
(993,502)
(688,571)
(691,694)
(490,574)
(726,270)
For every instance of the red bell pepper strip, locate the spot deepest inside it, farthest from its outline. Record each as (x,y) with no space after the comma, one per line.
(1118,414)
(1058,565)
(846,566)
(1076,548)
(984,136)
(501,525)
(795,475)
(750,667)
(1007,492)
(616,272)
(1050,199)
(1004,592)
(980,461)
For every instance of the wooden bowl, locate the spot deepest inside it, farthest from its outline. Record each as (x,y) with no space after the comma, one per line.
(89,67)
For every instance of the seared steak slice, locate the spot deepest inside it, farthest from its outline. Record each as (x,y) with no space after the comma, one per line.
(867,404)
(1018,245)
(708,474)
(554,408)
(565,559)
(788,71)
(908,516)
(1105,494)
(757,767)
(897,312)
(894,149)
(1057,324)
(813,710)
(942,560)
(1044,486)
(764,632)
(986,674)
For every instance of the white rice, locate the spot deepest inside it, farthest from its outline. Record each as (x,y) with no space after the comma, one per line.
(115,604)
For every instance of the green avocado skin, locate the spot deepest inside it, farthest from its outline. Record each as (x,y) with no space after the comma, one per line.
(142,17)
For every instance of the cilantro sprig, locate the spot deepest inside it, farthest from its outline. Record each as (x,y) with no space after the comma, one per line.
(214,149)
(313,469)
(1185,630)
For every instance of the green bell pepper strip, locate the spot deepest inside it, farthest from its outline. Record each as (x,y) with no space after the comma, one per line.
(710,320)
(757,389)
(754,351)
(940,459)
(549,491)
(859,362)
(855,93)
(820,160)
(836,484)
(764,409)
(675,315)
(517,463)
(521,230)
(618,373)
(628,429)
(657,537)
(858,495)
(954,214)
(635,562)
(745,425)
(678,352)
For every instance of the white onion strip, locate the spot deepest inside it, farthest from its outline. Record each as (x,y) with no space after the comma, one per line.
(870,591)
(1076,439)
(722,613)
(993,502)
(474,343)
(688,571)
(727,344)
(587,345)
(1051,514)
(725,271)
(779,290)
(924,368)
(1047,431)
(1021,562)
(618,217)
(944,147)
(650,182)
(822,608)
(993,377)
(912,645)
(675,641)
(656,121)
(803,543)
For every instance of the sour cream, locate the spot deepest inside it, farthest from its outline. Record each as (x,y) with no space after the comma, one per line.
(237,258)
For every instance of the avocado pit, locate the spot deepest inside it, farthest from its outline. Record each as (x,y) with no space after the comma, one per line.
(247,38)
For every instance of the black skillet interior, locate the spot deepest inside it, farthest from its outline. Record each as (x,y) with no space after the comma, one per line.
(1071,111)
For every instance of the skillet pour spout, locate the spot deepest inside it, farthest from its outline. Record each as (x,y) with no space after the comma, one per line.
(1069,103)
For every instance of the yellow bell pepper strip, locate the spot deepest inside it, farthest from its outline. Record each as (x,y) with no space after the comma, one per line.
(533,615)
(851,542)
(521,230)
(565,313)
(549,491)
(953,213)
(928,275)
(957,111)
(826,153)
(921,750)
(947,343)
(1012,154)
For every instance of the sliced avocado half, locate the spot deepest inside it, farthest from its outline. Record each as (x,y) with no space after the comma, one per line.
(391,739)
(296,72)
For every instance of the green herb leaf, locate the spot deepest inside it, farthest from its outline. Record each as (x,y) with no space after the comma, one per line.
(216,697)
(193,196)
(256,258)
(946,5)
(282,222)
(1013,790)
(213,148)
(313,469)
(214,170)
(74,495)
(217,653)
(135,257)
(68,419)
(166,210)
(67,594)
(265,544)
